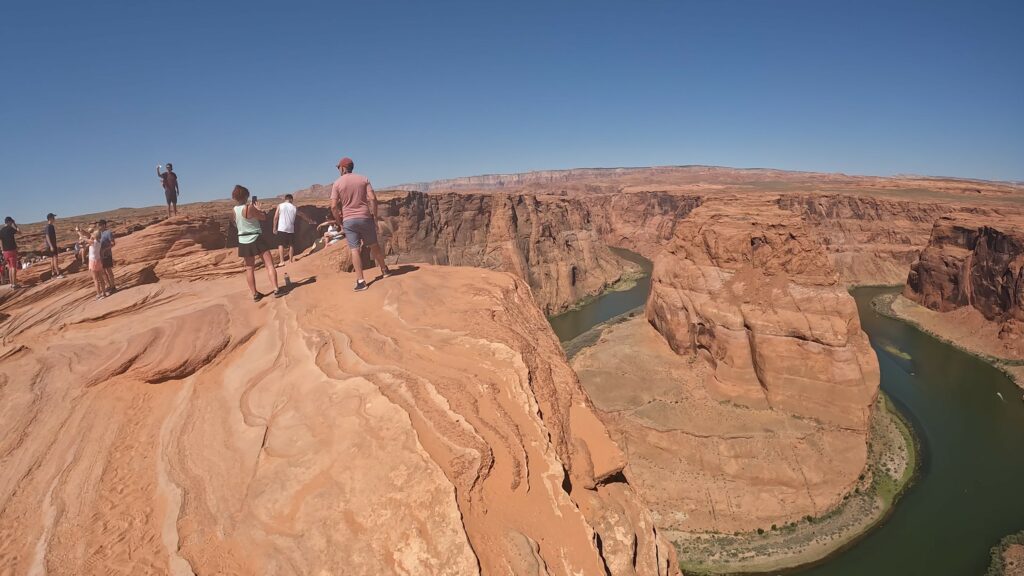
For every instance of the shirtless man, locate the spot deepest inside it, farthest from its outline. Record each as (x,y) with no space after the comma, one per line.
(170,183)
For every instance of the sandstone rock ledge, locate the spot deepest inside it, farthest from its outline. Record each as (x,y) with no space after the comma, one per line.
(718,476)
(967,287)
(747,398)
(427,426)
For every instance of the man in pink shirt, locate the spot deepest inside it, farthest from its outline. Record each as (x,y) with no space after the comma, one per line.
(354,204)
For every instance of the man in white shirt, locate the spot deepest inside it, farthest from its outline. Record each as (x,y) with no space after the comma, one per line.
(284,227)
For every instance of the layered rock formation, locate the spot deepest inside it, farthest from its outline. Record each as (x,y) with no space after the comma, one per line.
(641,221)
(754,294)
(550,242)
(750,296)
(177,427)
(869,240)
(975,261)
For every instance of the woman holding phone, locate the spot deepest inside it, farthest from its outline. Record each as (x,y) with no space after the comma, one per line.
(251,244)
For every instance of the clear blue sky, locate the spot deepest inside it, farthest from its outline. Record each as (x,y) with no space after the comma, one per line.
(270,94)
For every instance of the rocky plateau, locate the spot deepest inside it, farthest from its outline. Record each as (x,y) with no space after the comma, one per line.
(432,425)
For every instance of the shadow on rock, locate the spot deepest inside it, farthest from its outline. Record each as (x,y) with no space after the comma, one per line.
(397,271)
(299,284)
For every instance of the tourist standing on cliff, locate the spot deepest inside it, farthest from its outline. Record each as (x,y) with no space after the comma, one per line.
(10,249)
(51,245)
(107,243)
(82,246)
(99,279)
(251,244)
(171,192)
(284,226)
(354,204)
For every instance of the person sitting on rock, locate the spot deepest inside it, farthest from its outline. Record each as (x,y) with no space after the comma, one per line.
(354,204)
(332,234)
(251,244)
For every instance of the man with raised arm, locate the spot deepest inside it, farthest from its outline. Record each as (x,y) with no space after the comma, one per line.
(354,204)
(170,183)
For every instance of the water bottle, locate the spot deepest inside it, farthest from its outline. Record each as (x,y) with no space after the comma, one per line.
(287,281)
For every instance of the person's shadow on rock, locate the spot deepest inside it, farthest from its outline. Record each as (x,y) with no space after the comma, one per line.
(396,271)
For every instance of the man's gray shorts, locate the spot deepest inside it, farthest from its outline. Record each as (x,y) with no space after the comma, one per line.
(357,229)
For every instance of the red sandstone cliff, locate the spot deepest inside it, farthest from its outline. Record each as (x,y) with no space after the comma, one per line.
(974,261)
(753,293)
(869,240)
(767,420)
(548,241)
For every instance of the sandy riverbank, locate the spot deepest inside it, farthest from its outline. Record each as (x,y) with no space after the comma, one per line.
(892,463)
(964,329)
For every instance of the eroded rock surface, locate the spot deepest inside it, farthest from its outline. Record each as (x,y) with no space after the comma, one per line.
(547,241)
(771,421)
(869,240)
(755,295)
(975,261)
(177,427)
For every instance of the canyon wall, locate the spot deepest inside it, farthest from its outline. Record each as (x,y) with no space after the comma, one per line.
(869,240)
(753,292)
(974,260)
(548,241)
(178,427)
(767,420)
(643,222)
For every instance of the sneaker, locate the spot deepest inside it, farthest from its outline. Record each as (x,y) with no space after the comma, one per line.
(257,297)
(101,296)
(113,290)
(279,292)
(385,272)
(360,286)
(15,286)
(60,275)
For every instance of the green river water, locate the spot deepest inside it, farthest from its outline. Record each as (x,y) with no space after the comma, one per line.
(970,489)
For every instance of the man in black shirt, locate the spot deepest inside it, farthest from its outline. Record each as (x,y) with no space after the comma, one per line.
(51,245)
(10,248)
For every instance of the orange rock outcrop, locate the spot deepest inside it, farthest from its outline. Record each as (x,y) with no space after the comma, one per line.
(754,294)
(427,426)
(975,261)
(751,294)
